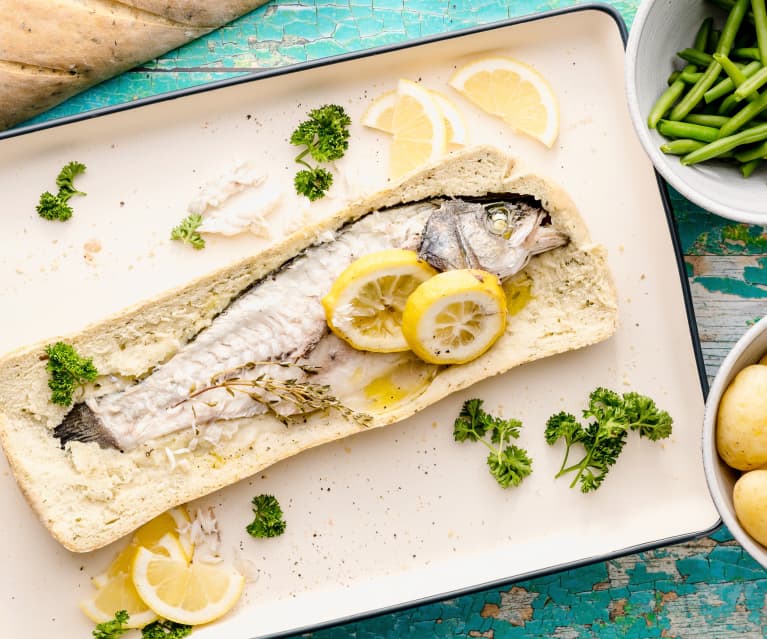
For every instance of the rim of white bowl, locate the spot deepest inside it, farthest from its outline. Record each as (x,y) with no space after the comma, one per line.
(708,443)
(643,133)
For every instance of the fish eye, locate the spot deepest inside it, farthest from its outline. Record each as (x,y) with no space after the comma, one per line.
(498,219)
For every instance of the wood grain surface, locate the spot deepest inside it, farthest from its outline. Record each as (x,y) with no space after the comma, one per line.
(703,588)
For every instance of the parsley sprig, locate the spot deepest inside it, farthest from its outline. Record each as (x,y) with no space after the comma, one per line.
(68,371)
(268,521)
(56,207)
(165,629)
(187,232)
(160,629)
(325,134)
(603,439)
(113,628)
(508,463)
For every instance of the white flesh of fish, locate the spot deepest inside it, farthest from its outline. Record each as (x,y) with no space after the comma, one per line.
(278,319)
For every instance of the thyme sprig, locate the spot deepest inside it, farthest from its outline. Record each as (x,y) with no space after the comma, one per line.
(306,397)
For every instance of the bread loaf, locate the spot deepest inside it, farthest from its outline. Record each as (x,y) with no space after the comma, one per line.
(52,49)
(89,496)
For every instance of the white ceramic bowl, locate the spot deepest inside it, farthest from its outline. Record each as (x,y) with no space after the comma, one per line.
(660,29)
(720,477)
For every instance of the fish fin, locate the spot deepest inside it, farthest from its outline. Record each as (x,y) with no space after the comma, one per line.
(81,424)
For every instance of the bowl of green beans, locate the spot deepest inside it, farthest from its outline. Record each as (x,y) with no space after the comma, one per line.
(696,83)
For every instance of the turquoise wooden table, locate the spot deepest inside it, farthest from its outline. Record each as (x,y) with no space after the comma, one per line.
(704,588)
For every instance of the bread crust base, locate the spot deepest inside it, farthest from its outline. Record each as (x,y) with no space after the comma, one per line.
(88,497)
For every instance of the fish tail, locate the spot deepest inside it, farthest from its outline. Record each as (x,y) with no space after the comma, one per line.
(81,424)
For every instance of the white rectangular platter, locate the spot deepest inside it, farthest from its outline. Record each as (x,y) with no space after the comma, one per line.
(403,513)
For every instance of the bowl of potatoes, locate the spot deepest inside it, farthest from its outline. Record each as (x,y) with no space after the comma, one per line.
(735,441)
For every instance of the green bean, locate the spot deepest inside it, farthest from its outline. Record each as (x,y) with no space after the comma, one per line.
(736,75)
(724,145)
(674,77)
(751,85)
(664,103)
(681,147)
(749,53)
(744,116)
(729,4)
(695,94)
(731,26)
(676,87)
(727,85)
(690,77)
(727,106)
(748,168)
(686,130)
(703,35)
(753,153)
(713,40)
(694,56)
(715,121)
(760,23)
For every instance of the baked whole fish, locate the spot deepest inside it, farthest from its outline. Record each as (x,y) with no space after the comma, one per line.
(218,380)
(280,320)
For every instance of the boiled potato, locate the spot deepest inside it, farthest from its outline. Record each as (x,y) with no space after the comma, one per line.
(741,424)
(750,500)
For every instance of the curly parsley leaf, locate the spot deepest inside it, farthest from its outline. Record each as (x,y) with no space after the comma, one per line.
(165,629)
(52,207)
(187,232)
(472,422)
(113,628)
(313,183)
(604,438)
(268,521)
(508,463)
(325,134)
(56,207)
(68,371)
(66,177)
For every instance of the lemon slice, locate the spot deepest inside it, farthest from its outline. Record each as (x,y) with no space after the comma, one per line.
(186,593)
(380,113)
(455,316)
(117,592)
(364,306)
(455,124)
(149,535)
(418,128)
(513,91)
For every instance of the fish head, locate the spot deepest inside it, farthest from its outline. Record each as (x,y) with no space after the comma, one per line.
(498,236)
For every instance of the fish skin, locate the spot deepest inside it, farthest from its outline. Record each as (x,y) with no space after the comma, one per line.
(281,319)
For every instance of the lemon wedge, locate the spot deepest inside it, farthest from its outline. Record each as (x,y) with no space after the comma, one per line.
(380,116)
(118,593)
(186,593)
(418,128)
(455,124)
(513,91)
(455,316)
(149,536)
(380,113)
(364,306)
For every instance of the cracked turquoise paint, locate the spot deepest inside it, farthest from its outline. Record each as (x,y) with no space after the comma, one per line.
(722,585)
